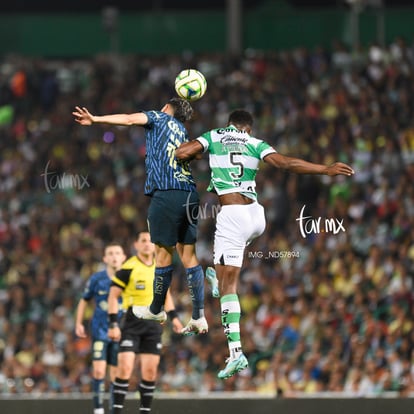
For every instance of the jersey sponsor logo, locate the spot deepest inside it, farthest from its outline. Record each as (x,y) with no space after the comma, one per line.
(233,130)
(173,126)
(233,140)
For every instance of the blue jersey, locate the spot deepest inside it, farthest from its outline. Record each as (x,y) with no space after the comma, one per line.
(97,288)
(164,134)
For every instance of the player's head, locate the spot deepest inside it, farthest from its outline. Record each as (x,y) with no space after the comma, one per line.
(143,244)
(180,109)
(114,256)
(241,119)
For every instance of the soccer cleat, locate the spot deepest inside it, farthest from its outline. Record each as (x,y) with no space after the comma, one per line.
(233,366)
(212,280)
(195,327)
(143,312)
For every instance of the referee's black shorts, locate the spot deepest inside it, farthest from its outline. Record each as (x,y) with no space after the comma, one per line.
(139,335)
(173,217)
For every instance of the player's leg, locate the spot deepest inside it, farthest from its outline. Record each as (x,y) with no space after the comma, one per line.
(112,361)
(126,360)
(149,353)
(232,232)
(187,236)
(195,281)
(236,226)
(228,277)
(162,228)
(195,278)
(98,375)
(128,347)
(163,276)
(146,388)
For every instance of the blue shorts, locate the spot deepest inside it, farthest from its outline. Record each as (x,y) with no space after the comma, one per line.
(173,217)
(105,351)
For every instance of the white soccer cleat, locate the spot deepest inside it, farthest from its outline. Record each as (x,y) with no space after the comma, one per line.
(195,327)
(143,312)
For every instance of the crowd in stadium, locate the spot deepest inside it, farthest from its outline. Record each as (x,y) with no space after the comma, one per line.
(323,308)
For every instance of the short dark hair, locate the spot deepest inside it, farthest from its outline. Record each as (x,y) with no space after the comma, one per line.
(113,243)
(183,110)
(241,117)
(140,232)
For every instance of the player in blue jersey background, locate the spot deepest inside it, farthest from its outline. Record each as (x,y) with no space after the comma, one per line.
(173,211)
(104,350)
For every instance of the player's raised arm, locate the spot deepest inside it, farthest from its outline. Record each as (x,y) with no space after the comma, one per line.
(300,166)
(84,117)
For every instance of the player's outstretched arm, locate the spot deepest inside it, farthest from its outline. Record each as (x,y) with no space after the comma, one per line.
(189,150)
(84,117)
(300,166)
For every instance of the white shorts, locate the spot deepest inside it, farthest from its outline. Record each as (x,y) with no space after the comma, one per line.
(236,226)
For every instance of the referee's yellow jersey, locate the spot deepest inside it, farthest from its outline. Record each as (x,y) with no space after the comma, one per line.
(136,279)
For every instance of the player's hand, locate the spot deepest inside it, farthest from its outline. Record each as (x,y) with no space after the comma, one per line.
(80,331)
(339,168)
(114,333)
(83,116)
(177,325)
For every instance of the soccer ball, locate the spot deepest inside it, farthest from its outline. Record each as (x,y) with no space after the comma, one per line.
(190,84)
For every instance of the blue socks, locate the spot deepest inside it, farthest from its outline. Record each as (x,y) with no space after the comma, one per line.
(98,389)
(162,281)
(195,281)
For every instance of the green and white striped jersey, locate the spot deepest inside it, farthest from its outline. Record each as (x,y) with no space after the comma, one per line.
(234,160)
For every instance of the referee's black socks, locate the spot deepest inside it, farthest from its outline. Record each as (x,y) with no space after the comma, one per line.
(146,391)
(120,390)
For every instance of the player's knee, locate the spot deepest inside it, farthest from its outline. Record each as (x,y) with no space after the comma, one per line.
(189,260)
(123,372)
(98,373)
(149,374)
(228,279)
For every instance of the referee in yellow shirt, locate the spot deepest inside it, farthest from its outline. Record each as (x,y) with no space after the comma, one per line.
(134,281)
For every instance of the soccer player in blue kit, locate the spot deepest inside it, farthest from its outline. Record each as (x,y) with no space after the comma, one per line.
(104,350)
(173,210)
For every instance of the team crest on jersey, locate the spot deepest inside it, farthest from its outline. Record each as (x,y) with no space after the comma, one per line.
(180,176)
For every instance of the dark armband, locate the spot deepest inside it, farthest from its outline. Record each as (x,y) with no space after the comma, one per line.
(172,314)
(113,319)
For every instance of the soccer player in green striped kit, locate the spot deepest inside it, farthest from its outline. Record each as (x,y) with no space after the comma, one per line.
(234,161)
